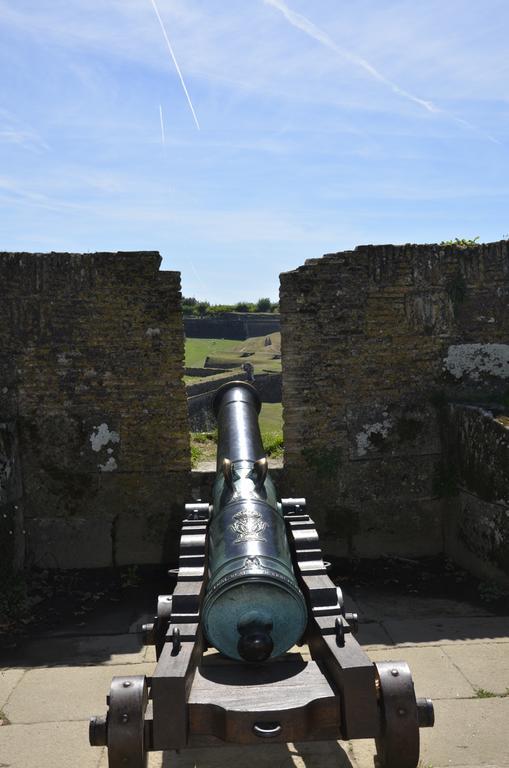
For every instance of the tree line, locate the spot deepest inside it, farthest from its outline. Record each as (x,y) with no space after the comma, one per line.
(192,306)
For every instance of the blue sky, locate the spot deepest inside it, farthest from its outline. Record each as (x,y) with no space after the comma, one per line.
(323,125)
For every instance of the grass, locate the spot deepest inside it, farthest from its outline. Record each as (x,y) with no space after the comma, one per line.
(230,351)
(203,447)
(273,444)
(482,693)
(4,720)
(198,349)
(204,444)
(271,418)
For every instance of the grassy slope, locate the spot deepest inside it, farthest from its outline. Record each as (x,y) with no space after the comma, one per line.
(198,349)
(230,350)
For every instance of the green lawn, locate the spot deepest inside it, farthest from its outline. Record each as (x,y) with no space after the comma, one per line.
(198,349)
(230,351)
(271,418)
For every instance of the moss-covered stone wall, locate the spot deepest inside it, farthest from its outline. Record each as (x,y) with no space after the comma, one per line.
(374,341)
(91,363)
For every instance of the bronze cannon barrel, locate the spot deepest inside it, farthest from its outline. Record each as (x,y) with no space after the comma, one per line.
(253,608)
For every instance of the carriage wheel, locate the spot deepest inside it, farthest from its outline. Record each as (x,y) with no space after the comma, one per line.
(398,743)
(126,722)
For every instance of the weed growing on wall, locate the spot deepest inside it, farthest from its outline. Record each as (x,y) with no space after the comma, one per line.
(462,242)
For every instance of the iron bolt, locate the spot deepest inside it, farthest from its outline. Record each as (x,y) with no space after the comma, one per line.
(126,683)
(401,712)
(98,732)
(125,717)
(425,713)
(353,620)
(394,672)
(148,633)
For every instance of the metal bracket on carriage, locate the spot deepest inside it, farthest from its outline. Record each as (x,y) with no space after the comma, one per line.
(191,565)
(179,613)
(326,599)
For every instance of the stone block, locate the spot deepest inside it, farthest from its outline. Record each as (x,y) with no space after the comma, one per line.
(410,527)
(434,673)
(61,542)
(9,678)
(393,430)
(445,631)
(47,745)
(56,694)
(484,665)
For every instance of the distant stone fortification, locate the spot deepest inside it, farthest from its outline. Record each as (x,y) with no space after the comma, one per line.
(375,342)
(94,444)
(231,325)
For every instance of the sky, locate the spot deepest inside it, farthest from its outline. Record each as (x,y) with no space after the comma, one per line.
(241,137)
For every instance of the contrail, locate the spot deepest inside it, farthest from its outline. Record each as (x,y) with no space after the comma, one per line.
(175,62)
(305,25)
(162,125)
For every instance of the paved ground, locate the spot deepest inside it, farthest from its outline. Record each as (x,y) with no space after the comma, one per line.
(458,653)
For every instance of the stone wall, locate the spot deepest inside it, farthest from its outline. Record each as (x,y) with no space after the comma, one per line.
(11,511)
(91,366)
(373,341)
(201,372)
(211,385)
(231,325)
(477,474)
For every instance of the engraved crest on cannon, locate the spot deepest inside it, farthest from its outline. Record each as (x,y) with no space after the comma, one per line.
(249,525)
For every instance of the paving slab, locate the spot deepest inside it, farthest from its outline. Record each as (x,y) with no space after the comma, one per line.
(470,732)
(47,745)
(79,651)
(336,754)
(57,694)
(485,665)
(434,674)
(443,630)
(372,635)
(9,678)
(317,755)
(380,606)
(68,674)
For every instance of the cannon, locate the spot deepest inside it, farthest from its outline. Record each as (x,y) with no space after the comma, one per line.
(252,593)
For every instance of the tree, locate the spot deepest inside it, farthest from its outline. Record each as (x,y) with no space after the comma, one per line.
(242,306)
(263,305)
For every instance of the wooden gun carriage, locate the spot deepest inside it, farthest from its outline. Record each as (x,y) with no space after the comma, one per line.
(252,693)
